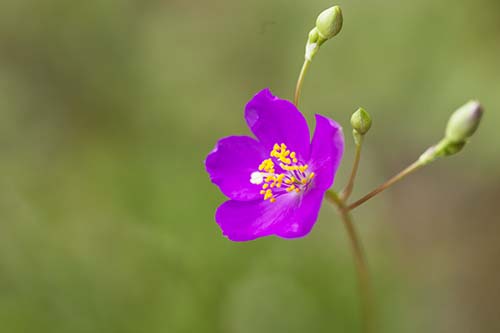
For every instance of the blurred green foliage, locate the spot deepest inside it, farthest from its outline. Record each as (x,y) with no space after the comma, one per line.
(108,108)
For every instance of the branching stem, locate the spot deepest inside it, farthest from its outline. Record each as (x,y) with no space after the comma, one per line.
(410,169)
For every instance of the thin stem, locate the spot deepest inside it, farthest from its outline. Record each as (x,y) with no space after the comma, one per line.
(350,184)
(300,81)
(410,169)
(360,261)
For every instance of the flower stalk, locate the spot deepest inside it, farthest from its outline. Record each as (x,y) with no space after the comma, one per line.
(300,81)
(350,184)
(359,259)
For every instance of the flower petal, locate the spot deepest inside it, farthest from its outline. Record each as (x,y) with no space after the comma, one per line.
(275,120)
(231,163)
(291,216)
(303,218)
(327,148)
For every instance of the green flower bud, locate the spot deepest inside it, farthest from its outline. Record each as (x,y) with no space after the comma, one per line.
(329,22)
(464,122)
(361,121)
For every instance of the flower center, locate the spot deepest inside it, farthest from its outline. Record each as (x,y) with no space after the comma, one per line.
(292,175)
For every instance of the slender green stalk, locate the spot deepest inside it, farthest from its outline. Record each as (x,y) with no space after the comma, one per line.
(360,261)
(350,184)
(300,81)
(410,169)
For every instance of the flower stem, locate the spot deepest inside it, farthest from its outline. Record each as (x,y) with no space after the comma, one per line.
(300,80)
(410,169)
(360,261)
(350,184)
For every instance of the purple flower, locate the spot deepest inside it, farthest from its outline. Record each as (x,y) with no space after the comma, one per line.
(276,183)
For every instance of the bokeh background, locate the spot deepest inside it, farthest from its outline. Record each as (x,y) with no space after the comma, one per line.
(109,107)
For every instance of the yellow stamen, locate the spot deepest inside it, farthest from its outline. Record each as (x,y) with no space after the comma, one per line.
(268,194)
(293,175)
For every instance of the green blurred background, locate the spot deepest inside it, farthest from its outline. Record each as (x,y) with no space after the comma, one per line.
(108,109)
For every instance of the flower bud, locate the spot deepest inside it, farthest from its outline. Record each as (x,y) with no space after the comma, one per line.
(329,22)
(361,121)
(464,122)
